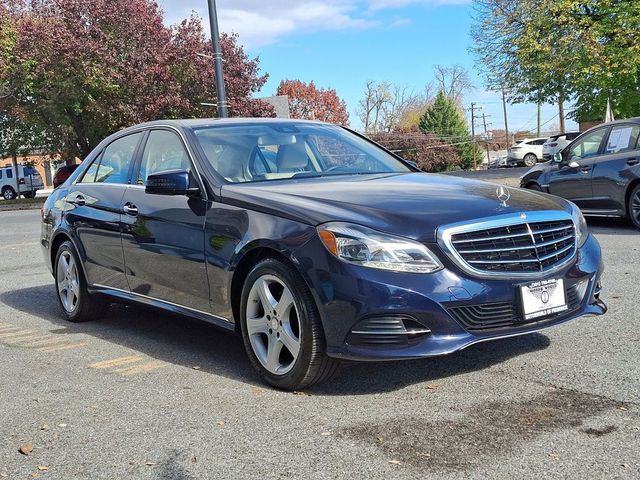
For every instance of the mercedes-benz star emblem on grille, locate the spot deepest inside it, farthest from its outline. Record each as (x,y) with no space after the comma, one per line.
(503,195)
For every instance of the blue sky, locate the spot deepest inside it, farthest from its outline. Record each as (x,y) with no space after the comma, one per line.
(342,44)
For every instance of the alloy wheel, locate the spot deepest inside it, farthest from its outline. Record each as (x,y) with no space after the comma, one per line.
(273,324)
(68,281)
(635,206)
(8,194)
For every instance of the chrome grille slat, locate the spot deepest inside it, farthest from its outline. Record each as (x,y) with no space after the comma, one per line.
(523,246)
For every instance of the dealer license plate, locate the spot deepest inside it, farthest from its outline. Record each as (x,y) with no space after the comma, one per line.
(543,298)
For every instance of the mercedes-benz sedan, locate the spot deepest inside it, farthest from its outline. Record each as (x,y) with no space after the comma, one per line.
(312,243)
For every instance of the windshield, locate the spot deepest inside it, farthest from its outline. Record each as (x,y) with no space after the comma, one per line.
(276,151)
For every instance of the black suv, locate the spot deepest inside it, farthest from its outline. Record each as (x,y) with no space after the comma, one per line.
(599,171)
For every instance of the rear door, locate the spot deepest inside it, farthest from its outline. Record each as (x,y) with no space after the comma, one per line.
(615,168)
(574,182)
(93,211)
(163,235)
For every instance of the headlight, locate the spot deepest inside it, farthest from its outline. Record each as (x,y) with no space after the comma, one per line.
(582,230)
(366,247)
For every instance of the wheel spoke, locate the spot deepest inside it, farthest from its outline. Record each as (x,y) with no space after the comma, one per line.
(257,325)
(266,297)
(284,304)
(273,354)
(290,342)
(65,263)
(70,296)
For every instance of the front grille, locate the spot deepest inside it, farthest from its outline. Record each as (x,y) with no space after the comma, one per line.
(532,247)
(488,316)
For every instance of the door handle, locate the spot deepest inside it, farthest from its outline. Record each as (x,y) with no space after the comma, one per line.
(130,209)
(79,200)
(632,161)
(586,169)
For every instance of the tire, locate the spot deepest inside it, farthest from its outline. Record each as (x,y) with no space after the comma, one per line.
(530,159)
(27,194)
(284,341)
(535,187)
(633,207)
(8,193)
(71,287)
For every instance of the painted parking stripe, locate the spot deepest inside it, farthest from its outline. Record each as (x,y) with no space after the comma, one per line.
(57,348)
(20,333)
(145,367)
(117,362)
(7,328)
(29,338)
(47,340)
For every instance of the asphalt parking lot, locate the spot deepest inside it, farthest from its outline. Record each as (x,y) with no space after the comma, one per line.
(138,394)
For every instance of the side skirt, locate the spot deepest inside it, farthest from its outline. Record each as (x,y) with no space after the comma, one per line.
(219,322)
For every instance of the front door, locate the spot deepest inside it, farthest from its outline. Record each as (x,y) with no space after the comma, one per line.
(615,169)
(163,235)
(572,178)
(93,207)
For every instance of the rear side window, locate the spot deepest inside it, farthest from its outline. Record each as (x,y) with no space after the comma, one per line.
(0,174)
(113,166)
(623,138)
(10,173)
(164,151)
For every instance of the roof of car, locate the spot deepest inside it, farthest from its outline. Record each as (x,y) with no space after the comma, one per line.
(205,122)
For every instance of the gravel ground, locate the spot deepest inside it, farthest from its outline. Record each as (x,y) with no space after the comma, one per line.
(145,395)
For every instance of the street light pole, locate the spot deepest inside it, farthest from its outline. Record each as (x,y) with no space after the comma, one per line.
(217,60)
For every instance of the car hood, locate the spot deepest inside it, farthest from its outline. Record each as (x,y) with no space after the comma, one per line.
(411,205)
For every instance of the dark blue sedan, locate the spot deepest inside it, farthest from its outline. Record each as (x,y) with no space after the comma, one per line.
(313,243)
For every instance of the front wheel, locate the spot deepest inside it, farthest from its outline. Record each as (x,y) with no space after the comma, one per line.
(535,187)
(634,206)
(530,159)
(8,193)
(78,304)
(281,328)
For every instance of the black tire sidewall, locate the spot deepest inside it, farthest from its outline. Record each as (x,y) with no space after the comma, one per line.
(634,221)
(307,314)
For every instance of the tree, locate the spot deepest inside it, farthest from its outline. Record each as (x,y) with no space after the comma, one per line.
(453,81)
(88,68)
(308,102)
(386,106)
(429,152)
(556,50)
(444,119)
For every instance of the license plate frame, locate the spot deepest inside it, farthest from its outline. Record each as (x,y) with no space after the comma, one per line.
(542,299)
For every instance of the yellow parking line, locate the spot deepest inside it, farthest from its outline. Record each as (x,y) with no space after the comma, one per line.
(6,328)
(147,367)
(57,348)
(116,361)
(20,333)
(29,338)
(47,341)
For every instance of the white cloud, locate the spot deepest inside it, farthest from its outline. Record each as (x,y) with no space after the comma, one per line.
(260,22)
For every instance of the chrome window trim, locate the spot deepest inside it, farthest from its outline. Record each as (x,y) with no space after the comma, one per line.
(445,232)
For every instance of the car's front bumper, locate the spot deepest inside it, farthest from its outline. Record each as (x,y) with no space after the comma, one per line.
(349,296)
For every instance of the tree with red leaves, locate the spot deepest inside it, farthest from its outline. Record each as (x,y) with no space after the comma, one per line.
(87,68)
(308,102)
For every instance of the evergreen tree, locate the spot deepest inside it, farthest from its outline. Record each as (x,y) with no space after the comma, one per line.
(444,119)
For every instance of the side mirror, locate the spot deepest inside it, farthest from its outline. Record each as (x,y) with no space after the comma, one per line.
(557,158)
(412,163)
(170,182)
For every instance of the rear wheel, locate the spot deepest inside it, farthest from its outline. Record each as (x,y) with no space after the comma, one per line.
(78,304)
(281,328)
(634,206)
(8,193)
(530,159)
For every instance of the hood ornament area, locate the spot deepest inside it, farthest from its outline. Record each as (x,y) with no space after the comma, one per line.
(503,195)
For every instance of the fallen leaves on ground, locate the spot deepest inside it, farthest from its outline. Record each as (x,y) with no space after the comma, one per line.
(325,434)
(26,449)
(43,468)
(433,386)
(394,462)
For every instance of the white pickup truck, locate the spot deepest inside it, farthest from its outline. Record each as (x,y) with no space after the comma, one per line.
(25,183)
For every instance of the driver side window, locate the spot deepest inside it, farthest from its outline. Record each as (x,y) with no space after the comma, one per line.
(588,146)
(164,151)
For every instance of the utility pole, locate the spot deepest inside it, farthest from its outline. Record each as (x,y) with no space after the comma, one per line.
(217,60)
(486,136)
(473,133)
(561,111)
(539,119)
(504,109)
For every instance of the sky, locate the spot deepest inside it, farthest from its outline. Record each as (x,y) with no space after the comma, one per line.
(342,44)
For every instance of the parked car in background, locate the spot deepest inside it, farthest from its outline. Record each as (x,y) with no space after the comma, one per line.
(62,174)
(26,183)
(312,243)
(498,162)
(556,143)
(527,152)
(599,171)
